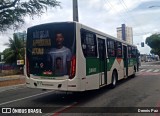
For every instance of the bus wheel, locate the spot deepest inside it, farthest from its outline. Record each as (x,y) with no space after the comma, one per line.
(114,79)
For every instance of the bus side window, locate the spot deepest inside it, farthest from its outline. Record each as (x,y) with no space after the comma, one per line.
(111,48)
(83,42)
(129,51)
(89,45)
(119,49)
(133,52)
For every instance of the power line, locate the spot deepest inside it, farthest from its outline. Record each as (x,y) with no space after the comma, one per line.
(127,11)
(125,7)
(112,7)
(124,4)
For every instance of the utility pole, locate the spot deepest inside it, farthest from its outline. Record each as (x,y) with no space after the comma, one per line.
(75,10)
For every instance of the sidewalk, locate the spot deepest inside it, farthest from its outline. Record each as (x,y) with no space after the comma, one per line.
(11,80)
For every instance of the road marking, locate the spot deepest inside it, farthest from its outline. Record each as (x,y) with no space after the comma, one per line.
(149,70)
(150,65)
(142,70)
(4,103)
(149,73)
(61,110)
(157,70)
(64,109)
(145,65)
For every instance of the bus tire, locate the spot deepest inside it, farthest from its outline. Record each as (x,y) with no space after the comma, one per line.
(114,79)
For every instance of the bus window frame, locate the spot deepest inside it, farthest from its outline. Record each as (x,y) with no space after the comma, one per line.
(83,34)
(133,55)
(129,51)
(120,43)
(109,47)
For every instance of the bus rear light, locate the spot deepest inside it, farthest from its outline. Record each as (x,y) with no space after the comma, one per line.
(27,67)
(73,68)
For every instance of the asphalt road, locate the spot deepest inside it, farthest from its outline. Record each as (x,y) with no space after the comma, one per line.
(132,93)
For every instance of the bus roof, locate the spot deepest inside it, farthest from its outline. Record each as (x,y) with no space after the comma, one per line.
(51,23)
(106,35)
(91,29)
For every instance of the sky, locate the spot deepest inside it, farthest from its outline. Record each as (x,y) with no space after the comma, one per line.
(103,15)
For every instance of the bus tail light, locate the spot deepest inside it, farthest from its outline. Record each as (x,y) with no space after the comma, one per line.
(27,67)
(73,68)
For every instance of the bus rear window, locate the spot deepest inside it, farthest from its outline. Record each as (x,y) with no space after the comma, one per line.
(50,48)
(111,48)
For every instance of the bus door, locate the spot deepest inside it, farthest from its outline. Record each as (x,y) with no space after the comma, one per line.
(102,61)
(125,58)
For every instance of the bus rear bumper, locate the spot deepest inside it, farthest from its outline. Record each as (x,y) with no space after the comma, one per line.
(60,85)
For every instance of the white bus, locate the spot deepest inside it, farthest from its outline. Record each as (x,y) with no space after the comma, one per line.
(69,56)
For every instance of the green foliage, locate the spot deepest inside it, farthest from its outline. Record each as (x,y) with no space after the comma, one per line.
(15,50)
(154,42)
(12,12)
(155,51)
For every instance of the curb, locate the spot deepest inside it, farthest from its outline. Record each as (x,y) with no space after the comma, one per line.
(13,81)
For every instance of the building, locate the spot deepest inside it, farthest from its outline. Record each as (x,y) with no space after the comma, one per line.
(21,35)
(125,33)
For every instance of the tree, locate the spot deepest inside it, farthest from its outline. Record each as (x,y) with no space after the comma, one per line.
(15,50)
(154,42)
(12,12)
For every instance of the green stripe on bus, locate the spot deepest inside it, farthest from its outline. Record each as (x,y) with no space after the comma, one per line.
(95,65)
(110,62)
(92,66)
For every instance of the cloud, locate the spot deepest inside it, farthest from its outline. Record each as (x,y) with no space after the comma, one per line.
(3,40)
(104,15)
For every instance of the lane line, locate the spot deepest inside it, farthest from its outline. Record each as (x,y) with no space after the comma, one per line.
(142,70)
(150,65)
(61,110)
(145,65)
(4,103)
(157,70)
(66,108)
(149,70)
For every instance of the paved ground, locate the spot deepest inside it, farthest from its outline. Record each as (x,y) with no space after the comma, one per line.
(141,91)
(150,68)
